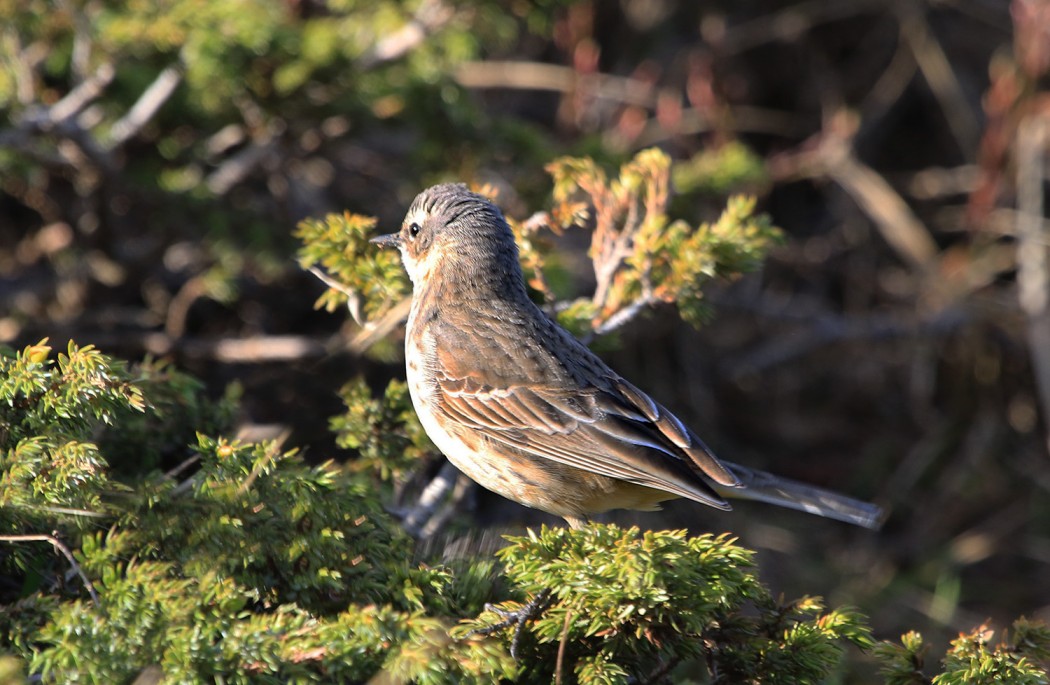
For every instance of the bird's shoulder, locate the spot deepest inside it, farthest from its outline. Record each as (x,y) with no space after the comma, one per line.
(500,346)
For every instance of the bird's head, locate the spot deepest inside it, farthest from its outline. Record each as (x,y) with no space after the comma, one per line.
(454,234)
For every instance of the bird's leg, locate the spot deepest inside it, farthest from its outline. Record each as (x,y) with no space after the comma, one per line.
(530,610)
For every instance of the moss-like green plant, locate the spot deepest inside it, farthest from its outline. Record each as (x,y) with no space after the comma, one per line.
(385,431)
(1021,657)
(246,565)
(627,606)
(371,281)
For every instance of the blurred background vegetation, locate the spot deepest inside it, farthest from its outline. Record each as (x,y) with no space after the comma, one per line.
(156,157)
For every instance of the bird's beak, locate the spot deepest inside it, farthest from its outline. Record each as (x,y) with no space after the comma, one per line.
(389,240)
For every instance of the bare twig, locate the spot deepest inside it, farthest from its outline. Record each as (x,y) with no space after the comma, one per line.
(541,76)
(22,63)
(892,216)
(528,611)
(146,107)
(611,246)
(61,547)
(353,298)
(225,138)
(185,486)
(179,307)
(431,15)
(607,263)
(271,452)
(381,327)
(889,87)
(563,640)
(430,498)
(178,469)
(1033,261)
(625,315)
(80,97)
(663,667)
(831,329)
(738,118)
(82,43)
(61,120)
(86,147)
(437,522)
(259,349)
(937,182)
(833,157)
(790,23)
(239,166)
(69,511)
(938,73)
(623,89)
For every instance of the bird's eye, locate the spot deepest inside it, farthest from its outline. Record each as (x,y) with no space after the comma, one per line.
(414,230)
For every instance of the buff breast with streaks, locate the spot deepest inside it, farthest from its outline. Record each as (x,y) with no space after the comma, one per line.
(526,410)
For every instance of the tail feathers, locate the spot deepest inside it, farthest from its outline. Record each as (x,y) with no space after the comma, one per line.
(784,492)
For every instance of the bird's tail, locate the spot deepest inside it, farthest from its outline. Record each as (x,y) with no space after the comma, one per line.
(765,487)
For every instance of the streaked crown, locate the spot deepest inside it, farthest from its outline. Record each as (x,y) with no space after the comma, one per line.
(459,236)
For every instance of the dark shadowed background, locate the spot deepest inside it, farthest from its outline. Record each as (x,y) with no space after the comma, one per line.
(896,346)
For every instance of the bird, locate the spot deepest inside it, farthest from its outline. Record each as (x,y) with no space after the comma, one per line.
(525,409)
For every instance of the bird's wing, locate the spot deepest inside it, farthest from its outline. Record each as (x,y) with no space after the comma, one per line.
(616,431)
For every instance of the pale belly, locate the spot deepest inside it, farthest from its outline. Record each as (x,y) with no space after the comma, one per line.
(488,470)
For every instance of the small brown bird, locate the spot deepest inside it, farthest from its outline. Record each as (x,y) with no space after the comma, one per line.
(526,410)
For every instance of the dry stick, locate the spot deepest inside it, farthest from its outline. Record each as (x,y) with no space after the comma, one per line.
(889,87)
(371,331)
(553,77)
(892,216)
(431,16)
(239,166)
(430,498)
(1033,280)
(22,64)
(560,661)
(830,329)
(934,183)
(57,544)
(378,329)
(608,260)
(69,511)
(1004,221)
(82,40)
(179,307)
(938,73)
(268,457)
(186,463)
(539,76)
(437,522)
(76,100)
(88,147)
(260,349)
(788,24)
(353,298)
(626,314)
(737,118)
(146,107)
(60,118)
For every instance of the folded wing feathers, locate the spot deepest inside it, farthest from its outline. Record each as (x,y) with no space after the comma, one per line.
(584,452)
(674,430)
(624,423)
